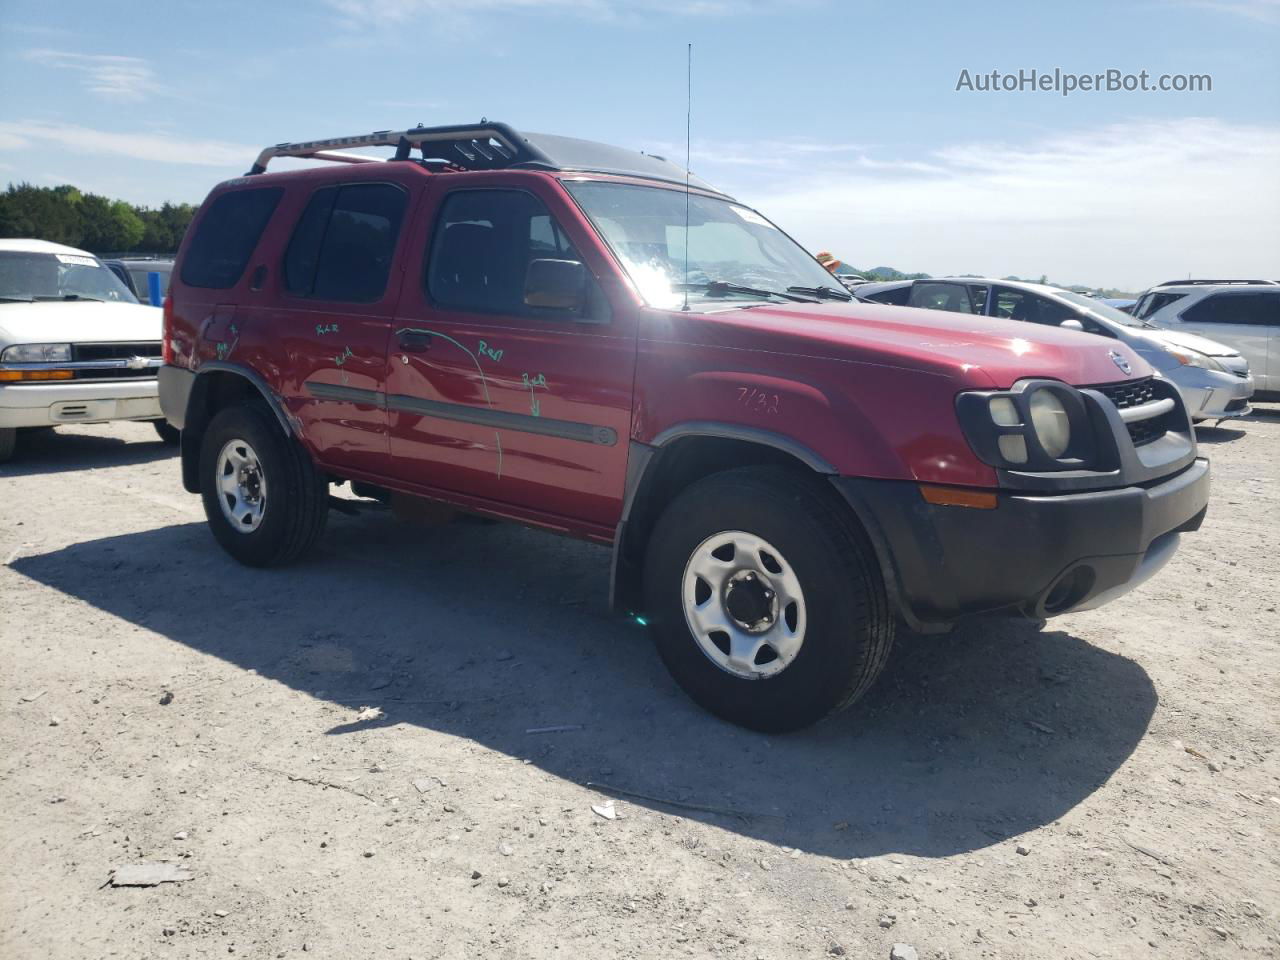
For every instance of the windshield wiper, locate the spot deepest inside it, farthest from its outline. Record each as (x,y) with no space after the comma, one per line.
(72,296)
(18,299)
(721,287)
(824,293)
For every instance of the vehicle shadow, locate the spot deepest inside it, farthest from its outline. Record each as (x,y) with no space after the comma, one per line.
(52,451)
(1214,435)
(1264,413)
(483,632)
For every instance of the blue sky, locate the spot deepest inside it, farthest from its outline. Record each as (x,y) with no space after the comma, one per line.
(842,122)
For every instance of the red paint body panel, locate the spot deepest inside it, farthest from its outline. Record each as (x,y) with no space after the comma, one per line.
(870,389)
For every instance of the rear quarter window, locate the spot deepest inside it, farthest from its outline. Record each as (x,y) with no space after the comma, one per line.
(226,237)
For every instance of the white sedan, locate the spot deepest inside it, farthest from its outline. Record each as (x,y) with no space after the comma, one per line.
(75,344)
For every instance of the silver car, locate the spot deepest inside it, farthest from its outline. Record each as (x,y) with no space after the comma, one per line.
(1214,379)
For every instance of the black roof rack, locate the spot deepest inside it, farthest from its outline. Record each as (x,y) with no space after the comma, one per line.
(1214,283)
(485,146)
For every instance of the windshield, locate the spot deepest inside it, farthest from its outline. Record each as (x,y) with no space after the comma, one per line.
(58,276)
(1100,309)
(729,245)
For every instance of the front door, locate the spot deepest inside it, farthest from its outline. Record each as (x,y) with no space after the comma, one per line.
(498,388)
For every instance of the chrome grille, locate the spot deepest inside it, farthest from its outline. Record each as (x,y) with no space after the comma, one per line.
(1134,394)
(89,352)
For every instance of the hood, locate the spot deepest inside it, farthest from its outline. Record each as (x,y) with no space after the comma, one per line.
(979,351)
(77,321)
(1192,341)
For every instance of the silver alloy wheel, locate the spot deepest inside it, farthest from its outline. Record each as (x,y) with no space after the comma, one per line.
(744,605)
(242,486)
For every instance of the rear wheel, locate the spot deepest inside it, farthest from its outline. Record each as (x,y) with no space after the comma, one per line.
(265,502)
(766,600)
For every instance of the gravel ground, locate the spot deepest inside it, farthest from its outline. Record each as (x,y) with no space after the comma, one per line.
(1106,787)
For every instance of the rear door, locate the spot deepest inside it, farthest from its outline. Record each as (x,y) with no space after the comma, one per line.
(332,290)
(490,396)
(1246,320)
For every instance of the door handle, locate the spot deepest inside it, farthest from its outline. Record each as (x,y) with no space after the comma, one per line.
(412,342)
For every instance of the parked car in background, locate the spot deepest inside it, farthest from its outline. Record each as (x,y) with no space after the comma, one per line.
(75,344)
(1123,304)
(135,274)
(1243,314)
(1214,379)
(580,338)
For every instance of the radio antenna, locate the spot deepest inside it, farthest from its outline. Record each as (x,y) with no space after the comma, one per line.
(688,151)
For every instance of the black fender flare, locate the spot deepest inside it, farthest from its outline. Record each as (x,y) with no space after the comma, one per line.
(255,378)
(195,415)
(623,574)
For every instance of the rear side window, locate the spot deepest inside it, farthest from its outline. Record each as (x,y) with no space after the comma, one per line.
(344,243)
(226,236)
(1254,308)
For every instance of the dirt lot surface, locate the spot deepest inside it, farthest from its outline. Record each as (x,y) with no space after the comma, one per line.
(1107,787)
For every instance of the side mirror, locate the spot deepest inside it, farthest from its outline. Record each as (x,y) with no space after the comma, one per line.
(1072,325)
(556,285)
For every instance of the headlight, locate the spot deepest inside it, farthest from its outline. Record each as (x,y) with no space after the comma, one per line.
(1049,417)
(37,353)
(1194,358)
(1037,425)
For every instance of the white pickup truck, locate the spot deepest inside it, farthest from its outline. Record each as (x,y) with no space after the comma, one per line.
(75,344)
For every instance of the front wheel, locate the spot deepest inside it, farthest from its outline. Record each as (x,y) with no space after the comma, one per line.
(8,440)
(766,599)
(265,502)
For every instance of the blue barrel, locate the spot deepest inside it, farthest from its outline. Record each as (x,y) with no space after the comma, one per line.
(153,289)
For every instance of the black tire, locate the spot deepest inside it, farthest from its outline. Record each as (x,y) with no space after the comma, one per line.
(297,499)
(169,435)
(849,629)
(8,440)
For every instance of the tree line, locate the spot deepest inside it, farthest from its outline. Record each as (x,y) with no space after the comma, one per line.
(98,224)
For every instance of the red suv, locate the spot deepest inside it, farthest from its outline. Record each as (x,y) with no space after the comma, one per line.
(581,338)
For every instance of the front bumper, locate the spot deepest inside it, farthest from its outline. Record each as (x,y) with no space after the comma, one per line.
(1211,394)
(1033,555)
(45,404)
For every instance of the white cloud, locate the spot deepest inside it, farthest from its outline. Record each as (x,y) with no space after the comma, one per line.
(108,76)
(1126,205)
(158,148)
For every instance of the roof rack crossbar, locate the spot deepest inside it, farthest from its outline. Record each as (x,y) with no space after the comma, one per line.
(487,146)
(491,145)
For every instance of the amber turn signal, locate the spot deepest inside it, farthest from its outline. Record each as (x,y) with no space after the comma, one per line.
(11,376)
(958,497)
